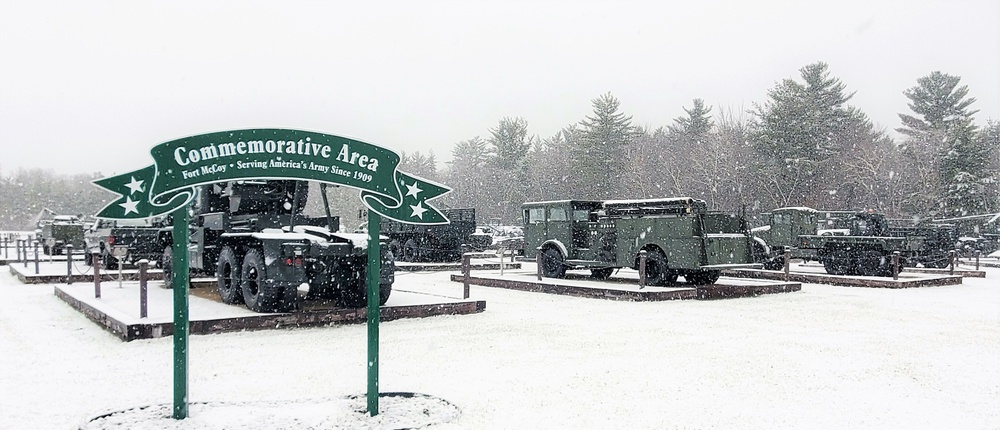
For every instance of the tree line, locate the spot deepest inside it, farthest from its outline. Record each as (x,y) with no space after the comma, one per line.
(805,145)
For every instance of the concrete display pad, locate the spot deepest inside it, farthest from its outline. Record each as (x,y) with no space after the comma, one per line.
(815,274)
(624,286)
(118,311)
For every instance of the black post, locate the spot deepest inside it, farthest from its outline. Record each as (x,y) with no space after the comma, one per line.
(951,262)
(5,255)
(895,265)
(69,263)
(465,271)
(36,257)
(96,258)
(642,268)
(538,262)
(977,260)
(788,260)
(23,244)
(143,264)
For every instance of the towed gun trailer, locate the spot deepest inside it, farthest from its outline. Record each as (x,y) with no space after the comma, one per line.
(679,236)
(862,244)
(262,248)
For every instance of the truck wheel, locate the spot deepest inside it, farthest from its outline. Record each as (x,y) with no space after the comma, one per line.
(167,264)
(602,273)
(834,265)
(257,294)
(46,250)
(868,263)
(552,264)
(410,251)
(776,263)
(707,277)
(109,261)
(228,277)
(656,269)
(357,297)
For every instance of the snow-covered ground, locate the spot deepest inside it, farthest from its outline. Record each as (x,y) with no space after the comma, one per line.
(824,357)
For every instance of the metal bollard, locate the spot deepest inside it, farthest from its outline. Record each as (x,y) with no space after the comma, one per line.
(36,257)
(642,268)
(895,265)
(69,264)
(977,259)
(951,262)
(96,258)
(143,304)
(465,271)
(788,260)
(5,255)
(538,262)
(501,253)
(22,246)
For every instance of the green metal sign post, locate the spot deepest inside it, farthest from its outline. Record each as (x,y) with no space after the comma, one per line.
(180,284)
(374,266)
(168,186)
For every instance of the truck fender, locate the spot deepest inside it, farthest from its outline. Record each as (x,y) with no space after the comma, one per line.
(557,245)
(761,242)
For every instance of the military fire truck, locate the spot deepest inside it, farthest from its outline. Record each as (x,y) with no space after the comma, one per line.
(254,236)
(680,237)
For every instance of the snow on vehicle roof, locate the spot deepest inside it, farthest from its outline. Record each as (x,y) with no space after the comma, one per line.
(796,208)
(653,201)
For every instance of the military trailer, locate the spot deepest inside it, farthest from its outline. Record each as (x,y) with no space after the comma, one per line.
(435,243)
(680,237)
(61,230)
(262,248)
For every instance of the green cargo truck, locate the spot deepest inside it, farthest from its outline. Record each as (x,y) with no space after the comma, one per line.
(680,237)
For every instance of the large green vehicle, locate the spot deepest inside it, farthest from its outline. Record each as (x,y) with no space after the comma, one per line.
(680,237)
(436,243)
(861,243)
(254,236)
(54,234)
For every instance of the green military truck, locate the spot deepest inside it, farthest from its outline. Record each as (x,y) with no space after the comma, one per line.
(262,248)
(135,239)
(680,237)
(54,234)
(861,243)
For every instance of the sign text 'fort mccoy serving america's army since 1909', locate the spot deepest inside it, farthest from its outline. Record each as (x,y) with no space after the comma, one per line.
(186,157)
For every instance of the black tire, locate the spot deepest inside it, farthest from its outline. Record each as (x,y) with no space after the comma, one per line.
(657,271)
(46,250)
(777,263)
(227,274)
(109,261)
(167,264)
(868,263)
(707,277)
(602,273)
(552,264)
(357,296)
(836,265)
(258,294)
(409,251)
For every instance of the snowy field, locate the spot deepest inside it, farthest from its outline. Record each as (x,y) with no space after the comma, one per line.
(824,357)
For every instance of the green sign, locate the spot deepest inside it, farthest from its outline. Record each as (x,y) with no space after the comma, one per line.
(182,164)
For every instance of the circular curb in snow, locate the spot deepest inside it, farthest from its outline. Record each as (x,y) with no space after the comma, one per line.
(397,410)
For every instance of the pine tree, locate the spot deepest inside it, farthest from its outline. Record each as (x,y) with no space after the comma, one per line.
(599,158)
(798,134)
(944,139)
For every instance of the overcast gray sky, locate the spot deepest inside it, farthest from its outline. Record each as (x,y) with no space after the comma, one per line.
(90,86)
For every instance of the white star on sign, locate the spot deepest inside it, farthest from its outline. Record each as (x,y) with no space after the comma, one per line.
(130,205)
(134,186)
(418,210)
(412,190)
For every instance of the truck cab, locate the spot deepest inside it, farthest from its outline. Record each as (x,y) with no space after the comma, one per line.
(566,224)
